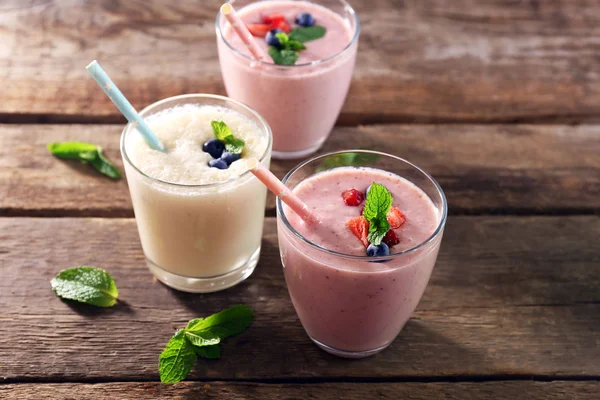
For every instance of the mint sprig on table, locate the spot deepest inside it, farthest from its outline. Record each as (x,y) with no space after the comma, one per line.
(201,338)
(377,206)
(223,133)
(87,153)
(292,43)
(85,284)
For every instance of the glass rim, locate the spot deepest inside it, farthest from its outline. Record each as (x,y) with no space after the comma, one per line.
(148,108)
(440,227)
(307,64)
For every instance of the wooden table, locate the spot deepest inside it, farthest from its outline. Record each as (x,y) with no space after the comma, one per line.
(497,100)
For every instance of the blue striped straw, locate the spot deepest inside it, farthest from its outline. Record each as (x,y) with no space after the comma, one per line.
(113,93)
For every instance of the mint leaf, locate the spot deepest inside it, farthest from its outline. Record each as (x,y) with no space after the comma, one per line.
(289,57)
(283,39)
(307,33)
(295,45)
(87,285)
(228,322)
(71,150)
(201,338)
(104,166)
(210,352)
(284,56)
(86,153)
(177,359)
(234,145)
(221,130)
(223,133)
(377,206)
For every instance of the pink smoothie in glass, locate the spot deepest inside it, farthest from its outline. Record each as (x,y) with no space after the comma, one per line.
(348,303)
(300,102)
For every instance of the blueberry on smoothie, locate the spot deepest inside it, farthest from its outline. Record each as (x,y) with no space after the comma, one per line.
(229,158)
(218,163)
(271,39)
(305,19)
(378,251)
(214,147)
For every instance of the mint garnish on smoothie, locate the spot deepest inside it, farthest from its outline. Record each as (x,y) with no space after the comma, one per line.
(284,42)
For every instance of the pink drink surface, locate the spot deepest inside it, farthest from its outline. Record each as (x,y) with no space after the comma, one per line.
(337,37)
(350,304)
(301,102)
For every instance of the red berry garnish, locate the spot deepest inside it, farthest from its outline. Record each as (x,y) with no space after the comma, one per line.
(258,30)
(284,26)
(396,218)
(353,197)
(360,228)
(391,238)
(274,18)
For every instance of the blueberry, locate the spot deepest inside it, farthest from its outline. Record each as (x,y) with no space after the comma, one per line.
(229,158)
(271,39)
(218,163)
(378,251)
(305,19)
(214,147)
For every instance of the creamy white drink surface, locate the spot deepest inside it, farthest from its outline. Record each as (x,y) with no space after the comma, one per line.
(183,130)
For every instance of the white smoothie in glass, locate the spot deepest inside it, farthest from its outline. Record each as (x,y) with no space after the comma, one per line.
(200,226)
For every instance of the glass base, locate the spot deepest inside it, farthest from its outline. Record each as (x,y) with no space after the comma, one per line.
(205,285)
(292,155)
(347,354)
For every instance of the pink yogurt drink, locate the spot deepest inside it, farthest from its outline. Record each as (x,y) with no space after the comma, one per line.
(351,304)
(300,102)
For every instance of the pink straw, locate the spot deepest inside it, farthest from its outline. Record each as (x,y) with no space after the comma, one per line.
(240,28)
(280,190)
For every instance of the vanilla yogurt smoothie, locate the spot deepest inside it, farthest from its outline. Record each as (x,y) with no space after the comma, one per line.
(301,102)
(200,226)
(351,302)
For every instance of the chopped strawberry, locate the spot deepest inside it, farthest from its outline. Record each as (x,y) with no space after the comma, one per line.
(360,227)
(273,19)
(391,238)
(396,218)
(259,30)
(284,26)
(353,197)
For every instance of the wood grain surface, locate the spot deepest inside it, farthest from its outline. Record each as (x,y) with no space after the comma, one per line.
(434,61)
(510,296)
(482,168)
(557,390)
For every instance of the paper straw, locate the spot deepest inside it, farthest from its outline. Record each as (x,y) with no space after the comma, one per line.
(240,28)
(280,190)
(113,93)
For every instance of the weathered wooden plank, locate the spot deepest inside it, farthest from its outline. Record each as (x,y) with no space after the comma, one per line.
(514,296)
(503,390)
(482,168)
(418,60)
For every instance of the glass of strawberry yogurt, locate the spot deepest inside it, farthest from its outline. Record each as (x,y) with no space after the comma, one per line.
(300,92)
(354,289)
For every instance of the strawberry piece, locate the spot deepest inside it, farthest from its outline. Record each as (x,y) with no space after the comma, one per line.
(391,238)
(353,197)
(360,227)
(396,218)
(284,26)
(273,19)
(259,30)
